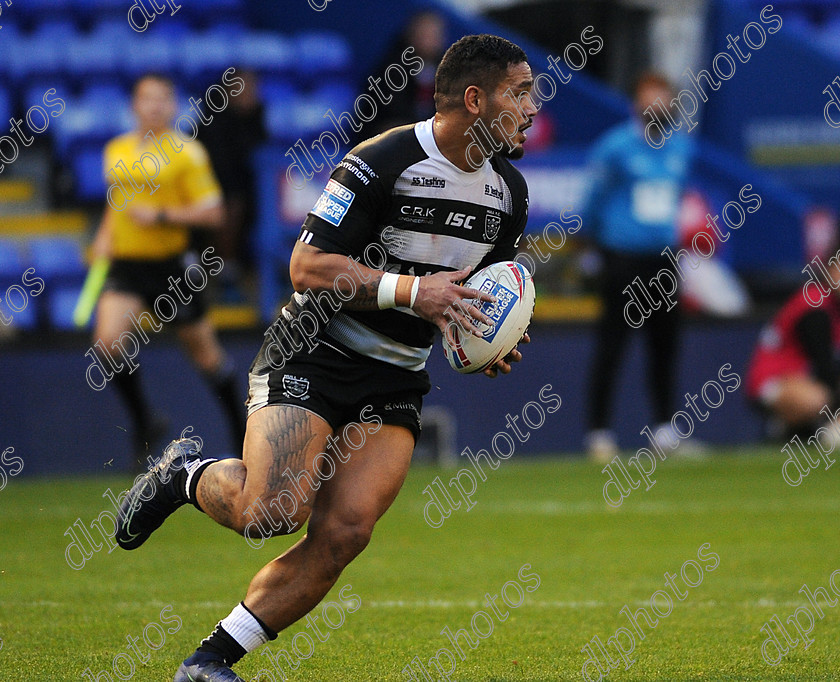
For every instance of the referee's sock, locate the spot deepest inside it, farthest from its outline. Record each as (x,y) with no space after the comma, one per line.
(223,381)
(233,637)
(128,384)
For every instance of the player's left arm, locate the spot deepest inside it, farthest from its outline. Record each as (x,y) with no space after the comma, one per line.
(203,208)
(505,249)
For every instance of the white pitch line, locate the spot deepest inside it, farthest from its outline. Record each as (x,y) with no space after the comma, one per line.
(444,604)
(559,508)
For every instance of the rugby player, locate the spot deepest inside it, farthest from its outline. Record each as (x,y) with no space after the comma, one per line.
(400,192)
(147,243)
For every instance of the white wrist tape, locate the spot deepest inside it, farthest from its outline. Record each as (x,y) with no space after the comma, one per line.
(387,291)
(414,289)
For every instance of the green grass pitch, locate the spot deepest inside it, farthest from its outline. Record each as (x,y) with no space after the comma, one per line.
(414,580)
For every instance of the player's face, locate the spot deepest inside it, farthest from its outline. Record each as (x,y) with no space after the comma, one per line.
(647,96)
(154,105)
(512,95)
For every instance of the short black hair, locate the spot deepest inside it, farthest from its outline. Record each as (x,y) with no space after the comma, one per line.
(480,60)
(154,76)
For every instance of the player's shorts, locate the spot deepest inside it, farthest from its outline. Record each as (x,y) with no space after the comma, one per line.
(150,281)
(338,386)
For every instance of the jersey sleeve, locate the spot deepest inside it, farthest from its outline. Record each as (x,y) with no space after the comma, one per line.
(347,213)
(200,182)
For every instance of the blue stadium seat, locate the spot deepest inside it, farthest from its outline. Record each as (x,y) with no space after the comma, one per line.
(88,58)
(112,7)
(26,318)
(60,30)
(150,53)
(208,12)
(115,31)
(6,105)
(829,35)
(11,263)
(35,11)
(203,57)
(58,260)
(322,53)
(309,109)
(109,93)
(266,53)
(308,112)
(112,105)
(34,93)
(80,123)
(338,95)
(88,173)
(35,58)
(60,306)
(279,97)
(172,29)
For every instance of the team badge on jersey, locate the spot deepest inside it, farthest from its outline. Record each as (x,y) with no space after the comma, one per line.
(492,223)
(334,203)
(295,387)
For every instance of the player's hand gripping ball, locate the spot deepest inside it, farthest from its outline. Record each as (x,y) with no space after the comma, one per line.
(513,287)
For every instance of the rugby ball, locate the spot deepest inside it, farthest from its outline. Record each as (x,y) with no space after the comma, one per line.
(513,287)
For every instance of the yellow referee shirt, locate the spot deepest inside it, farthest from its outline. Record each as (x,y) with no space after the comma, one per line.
(186,180)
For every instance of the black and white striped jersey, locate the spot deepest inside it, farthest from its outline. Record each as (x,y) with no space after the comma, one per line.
(397,204)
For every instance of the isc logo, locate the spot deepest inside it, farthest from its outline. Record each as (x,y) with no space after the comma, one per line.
(460,220)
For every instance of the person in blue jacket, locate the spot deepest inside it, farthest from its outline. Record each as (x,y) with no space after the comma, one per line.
(638,171)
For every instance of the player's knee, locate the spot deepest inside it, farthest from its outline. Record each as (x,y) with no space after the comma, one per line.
(346,541)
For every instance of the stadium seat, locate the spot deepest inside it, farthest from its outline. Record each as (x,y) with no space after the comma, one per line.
(203,57)
(101,112)
(829,35)
(173,29)
(35,57)
(26,318)
(279,97)
(150,53)
(338,95)
(88,58)
(58,260)
(115,31)
(79,123)
(34,93)
(60,305)
(266,53)
(309,109)
(321,53)
(6,105)
(11,262)
(60,30)
(34,12)
(209,12)
(88,173)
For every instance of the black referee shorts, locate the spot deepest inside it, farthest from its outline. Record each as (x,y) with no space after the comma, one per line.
(338,386)
(150,281)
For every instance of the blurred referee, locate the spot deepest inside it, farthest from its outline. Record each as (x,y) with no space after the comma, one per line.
(147,244)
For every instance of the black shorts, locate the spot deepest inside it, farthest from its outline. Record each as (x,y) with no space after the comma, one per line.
(150,281)
(340,386)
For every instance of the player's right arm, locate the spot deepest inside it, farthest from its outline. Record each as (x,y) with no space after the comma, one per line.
(102,245)
(438,299)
